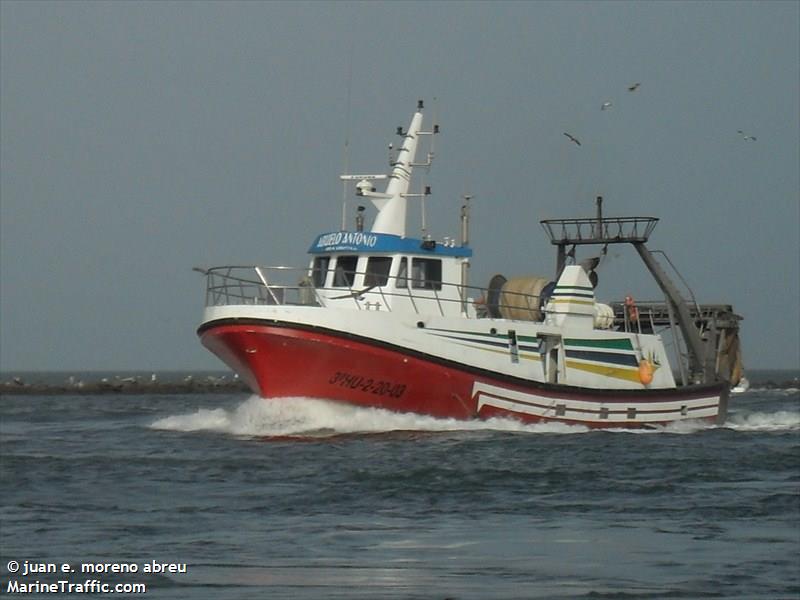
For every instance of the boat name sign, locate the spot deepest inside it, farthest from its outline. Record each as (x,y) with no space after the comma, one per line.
(350,239)
(360,241)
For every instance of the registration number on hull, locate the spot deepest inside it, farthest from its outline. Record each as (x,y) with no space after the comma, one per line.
(368,385)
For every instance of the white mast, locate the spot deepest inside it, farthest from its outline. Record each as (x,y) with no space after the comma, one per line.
(391,205)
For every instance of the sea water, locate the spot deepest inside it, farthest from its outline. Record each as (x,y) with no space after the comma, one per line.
(229,496)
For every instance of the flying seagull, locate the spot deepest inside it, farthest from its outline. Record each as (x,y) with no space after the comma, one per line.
(634,87)
(572,138)
(606,104)
(749,138)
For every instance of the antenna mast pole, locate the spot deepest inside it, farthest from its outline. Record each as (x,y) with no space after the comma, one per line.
(465,242)
(347,138)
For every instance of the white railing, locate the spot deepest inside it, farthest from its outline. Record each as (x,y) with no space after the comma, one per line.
(253,285)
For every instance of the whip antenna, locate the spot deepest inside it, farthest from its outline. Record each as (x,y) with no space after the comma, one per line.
(425,190)
(347,137)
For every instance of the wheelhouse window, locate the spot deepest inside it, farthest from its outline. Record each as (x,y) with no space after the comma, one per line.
(426,273)
(377,270)
(345,272)
(319,270)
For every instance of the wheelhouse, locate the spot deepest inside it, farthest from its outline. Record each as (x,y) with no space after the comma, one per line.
(387,272)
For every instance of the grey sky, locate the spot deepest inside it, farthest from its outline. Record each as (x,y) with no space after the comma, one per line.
(140,139)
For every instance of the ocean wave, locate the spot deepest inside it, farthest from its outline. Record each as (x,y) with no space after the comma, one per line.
(777,391)
(309,417)
(781,420)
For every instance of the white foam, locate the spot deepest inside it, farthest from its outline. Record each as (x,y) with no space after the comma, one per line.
(314,417)
(778,391)
(782,420)
(688,426)
(309,417)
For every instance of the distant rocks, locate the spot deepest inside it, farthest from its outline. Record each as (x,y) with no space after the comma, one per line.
(150,384)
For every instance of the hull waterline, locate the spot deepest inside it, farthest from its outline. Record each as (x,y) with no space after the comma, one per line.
(282,359)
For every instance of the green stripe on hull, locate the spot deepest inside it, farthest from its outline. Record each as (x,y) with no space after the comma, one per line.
(614,343)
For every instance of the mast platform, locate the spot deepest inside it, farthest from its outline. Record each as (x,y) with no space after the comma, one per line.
(603,230)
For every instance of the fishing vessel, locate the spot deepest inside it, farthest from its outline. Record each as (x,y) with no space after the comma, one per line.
(380,318)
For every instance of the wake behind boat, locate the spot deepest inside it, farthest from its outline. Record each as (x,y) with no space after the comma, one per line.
(382,319)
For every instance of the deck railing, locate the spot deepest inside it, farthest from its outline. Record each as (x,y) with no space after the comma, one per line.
(254,285)
(251,285)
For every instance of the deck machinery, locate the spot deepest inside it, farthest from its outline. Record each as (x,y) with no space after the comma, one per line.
(706,336)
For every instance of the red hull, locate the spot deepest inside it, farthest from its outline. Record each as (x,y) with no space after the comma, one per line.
(280,360)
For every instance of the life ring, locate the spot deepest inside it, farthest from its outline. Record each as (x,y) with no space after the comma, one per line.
(630,307)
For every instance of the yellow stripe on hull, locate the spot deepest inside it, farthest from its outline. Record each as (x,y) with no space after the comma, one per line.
(606,371)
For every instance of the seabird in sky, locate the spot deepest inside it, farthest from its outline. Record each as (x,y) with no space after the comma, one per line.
(634,87)
(572,138)
(606,104)
(749,138)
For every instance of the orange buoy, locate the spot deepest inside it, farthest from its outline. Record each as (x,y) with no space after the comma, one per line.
(646,371)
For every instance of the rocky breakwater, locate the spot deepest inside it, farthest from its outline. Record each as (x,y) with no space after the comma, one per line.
(136,384)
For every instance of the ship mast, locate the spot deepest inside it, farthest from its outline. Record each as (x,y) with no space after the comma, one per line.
(392,203)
